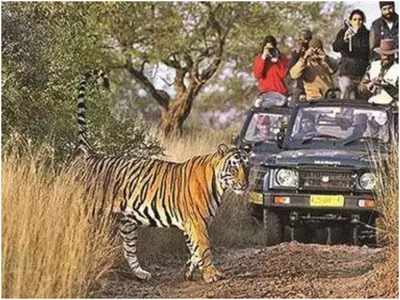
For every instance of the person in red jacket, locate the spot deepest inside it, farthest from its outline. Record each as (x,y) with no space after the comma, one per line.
(270,68)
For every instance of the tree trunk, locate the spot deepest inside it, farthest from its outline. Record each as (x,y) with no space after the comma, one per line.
(173,118)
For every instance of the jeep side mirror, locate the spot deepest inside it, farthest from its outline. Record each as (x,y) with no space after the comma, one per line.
(281,134)
(279,138)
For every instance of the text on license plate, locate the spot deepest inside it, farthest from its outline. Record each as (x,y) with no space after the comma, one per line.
(327,200)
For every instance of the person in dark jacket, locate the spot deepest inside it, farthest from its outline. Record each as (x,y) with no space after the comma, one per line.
(352,42)
(385,27)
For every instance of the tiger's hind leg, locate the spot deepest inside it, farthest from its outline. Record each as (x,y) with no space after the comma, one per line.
(128,230)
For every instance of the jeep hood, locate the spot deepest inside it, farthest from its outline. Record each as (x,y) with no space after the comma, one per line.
(343,158)
(263,152)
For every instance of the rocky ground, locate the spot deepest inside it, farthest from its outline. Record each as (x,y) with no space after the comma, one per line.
(286,270)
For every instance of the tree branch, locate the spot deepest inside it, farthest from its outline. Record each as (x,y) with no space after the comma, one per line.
(143,65)
(188,60)
(161,97)
(172,62)
(213,67)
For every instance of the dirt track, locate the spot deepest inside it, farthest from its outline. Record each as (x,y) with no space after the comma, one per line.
(286,270)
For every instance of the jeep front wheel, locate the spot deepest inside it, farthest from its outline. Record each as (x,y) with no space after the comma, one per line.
(273,228)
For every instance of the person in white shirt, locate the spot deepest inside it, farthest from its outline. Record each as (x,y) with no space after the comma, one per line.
(382,78)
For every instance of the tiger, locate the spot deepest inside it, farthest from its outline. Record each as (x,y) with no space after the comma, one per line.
(161,193)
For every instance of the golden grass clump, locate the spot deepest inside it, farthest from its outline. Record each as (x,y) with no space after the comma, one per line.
(384,282)
(50,245)
(388,193)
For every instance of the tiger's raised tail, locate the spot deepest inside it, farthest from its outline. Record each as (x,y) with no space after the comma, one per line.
(83,144)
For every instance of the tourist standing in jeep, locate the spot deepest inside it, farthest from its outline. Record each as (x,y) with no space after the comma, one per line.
(385,27)
(315,68)
(270,68)
(298,93)
(381,82)
(352,42)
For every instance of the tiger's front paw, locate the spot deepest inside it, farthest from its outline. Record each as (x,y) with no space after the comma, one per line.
(211,274)
(189,275)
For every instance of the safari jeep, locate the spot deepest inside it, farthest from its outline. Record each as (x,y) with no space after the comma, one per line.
(319,187)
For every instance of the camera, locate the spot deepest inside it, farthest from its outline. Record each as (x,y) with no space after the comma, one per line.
(274,53)
(304,45)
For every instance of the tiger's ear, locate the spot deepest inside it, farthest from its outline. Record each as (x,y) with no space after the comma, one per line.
(222,149)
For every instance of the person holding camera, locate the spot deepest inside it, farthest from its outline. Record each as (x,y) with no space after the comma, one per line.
(352,42)
(270,68)
(315,68)
(301,47)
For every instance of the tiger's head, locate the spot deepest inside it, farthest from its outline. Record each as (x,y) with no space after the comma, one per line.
(233,169)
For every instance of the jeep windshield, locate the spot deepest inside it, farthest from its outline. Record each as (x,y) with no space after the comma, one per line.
(264,127)
(339,125)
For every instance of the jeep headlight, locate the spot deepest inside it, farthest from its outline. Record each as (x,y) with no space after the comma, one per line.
(367,181)
(287,177)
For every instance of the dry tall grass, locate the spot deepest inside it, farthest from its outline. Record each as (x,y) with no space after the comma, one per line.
(50,245)
(384,282)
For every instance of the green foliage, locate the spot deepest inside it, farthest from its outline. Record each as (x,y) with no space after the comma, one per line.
(46,48)
(155,31)
(111,133)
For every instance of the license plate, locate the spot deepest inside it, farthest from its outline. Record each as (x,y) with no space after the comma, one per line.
(327,200)
(256,198)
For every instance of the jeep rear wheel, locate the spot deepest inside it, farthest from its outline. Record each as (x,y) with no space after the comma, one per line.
(273,228)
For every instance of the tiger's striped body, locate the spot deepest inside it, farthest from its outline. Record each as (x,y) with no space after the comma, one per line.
(153,192)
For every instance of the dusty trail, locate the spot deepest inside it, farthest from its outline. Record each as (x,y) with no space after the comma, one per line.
(286,270)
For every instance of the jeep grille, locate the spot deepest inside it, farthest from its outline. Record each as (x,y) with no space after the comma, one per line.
(334,181)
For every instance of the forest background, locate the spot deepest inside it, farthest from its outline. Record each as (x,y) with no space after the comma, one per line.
(180,67)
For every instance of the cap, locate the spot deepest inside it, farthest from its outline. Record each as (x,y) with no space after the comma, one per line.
(387,47)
